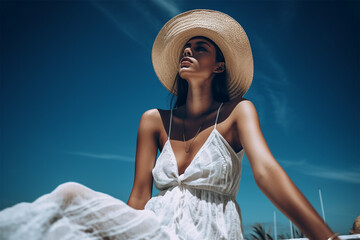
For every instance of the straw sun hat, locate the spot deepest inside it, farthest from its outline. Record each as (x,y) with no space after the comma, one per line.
(221,29)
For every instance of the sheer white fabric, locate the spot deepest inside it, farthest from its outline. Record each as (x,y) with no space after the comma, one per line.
(201,202)
(198,204)
(75,212)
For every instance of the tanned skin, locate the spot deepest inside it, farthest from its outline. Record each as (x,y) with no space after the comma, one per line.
(238,123)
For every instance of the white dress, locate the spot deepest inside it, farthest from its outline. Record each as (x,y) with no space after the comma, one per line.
(198,204)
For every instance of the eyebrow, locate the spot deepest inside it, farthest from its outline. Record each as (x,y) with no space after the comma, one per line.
(202,42)
(197,43)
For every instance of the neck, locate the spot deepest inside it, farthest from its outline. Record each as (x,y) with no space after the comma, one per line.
(199,100)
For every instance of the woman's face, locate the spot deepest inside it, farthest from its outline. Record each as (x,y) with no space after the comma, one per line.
(198,60)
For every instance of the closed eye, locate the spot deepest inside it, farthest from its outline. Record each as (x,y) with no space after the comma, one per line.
(201,49)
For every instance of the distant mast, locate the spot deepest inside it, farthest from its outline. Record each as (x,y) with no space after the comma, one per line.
(322,206)
(275,230)
(291,229)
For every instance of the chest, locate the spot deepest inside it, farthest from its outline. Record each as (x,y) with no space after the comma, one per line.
(186,151)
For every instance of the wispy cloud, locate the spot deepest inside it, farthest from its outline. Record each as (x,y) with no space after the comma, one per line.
(136,18)
(102,156)
(302,166)
(122,26)
(270,71)
(274,81)
(170,6)
(335,174)
(156,12)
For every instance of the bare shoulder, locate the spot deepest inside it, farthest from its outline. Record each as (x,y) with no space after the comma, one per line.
(245,108)
(244,120)
(150,120)
(151,115)
(242,108)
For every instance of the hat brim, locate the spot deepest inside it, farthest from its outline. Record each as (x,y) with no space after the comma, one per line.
(222,29)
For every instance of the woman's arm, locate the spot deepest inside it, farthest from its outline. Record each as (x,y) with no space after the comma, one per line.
(146,150)
(272,179)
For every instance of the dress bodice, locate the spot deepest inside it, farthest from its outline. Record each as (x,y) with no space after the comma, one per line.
(201,202)
(216,167)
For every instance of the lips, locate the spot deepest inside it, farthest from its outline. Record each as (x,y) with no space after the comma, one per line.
(185,59)
(185,62)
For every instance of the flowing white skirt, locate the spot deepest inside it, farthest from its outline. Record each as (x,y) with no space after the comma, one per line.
(73,211)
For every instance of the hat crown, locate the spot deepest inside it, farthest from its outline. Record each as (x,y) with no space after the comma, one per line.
(222,29)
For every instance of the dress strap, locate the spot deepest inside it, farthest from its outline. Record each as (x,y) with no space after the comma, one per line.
(171,116)
(217,115)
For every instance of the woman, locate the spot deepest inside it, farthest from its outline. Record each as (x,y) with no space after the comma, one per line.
(204,57)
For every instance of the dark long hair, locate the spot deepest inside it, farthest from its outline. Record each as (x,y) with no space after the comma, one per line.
(218,85)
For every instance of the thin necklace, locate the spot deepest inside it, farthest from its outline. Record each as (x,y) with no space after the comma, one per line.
(187,150)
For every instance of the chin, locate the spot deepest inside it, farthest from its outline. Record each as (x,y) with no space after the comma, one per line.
(183,74)
(186,72)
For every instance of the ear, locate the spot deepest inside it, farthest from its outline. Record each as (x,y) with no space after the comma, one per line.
(220,67)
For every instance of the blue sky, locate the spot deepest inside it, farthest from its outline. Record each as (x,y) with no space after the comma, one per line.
(77,76)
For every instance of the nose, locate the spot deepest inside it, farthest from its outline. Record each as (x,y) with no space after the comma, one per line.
(187,52)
